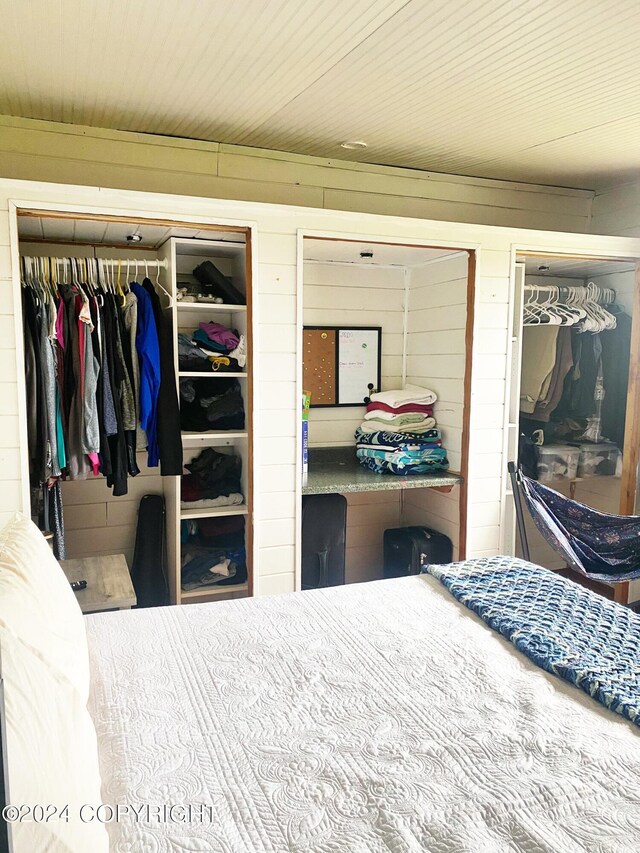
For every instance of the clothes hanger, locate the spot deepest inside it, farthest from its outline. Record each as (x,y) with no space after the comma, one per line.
(567,314)
(530,317)
(44,278)
(604,319)
(53,278)
(162,288)
(119,289)
(540,313)
(86,263)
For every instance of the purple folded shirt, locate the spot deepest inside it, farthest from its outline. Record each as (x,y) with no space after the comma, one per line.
(220,334)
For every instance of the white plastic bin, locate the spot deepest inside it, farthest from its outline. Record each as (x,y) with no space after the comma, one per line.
(557,462)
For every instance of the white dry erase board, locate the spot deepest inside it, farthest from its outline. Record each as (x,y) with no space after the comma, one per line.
(342,364)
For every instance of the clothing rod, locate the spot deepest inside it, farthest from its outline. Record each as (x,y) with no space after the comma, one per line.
(592,292)
(124,262)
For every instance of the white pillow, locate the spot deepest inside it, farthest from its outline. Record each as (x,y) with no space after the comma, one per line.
(51,749)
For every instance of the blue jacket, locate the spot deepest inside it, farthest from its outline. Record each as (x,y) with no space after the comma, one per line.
(149,357)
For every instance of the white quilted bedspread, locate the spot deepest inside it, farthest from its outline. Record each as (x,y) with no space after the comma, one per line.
(373,718)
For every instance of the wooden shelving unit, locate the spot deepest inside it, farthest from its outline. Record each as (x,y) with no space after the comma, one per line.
(214,511)
(231,258)
(210,308)
(202,595)
(200,374)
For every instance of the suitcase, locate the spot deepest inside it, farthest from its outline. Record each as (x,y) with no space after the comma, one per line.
(148,572)
(219,285)
(324,523)
(408,549)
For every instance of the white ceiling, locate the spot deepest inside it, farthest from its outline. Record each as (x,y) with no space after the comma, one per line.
(535,90)
(574,267)
(96,232)
(384,254)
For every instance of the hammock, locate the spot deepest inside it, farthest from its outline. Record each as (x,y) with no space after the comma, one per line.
(601,546)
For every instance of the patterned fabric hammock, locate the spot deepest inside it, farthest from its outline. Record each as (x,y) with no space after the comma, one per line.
(601,546)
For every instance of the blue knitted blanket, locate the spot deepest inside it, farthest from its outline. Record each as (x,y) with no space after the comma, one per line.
(562,627)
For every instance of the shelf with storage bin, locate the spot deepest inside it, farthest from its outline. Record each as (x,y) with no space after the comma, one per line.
(230,257)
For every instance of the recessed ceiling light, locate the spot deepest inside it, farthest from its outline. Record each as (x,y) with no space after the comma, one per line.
(354,145)
(134,238)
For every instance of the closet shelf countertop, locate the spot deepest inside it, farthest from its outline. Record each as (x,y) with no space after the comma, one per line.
(335,470)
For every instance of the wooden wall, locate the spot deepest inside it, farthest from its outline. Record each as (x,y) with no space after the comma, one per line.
(65,153)
(277,327)
(367,295)
(436,323)
(96,522)
(353,295)
(616,210)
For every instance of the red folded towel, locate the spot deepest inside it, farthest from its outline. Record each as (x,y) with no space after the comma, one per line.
(401,410)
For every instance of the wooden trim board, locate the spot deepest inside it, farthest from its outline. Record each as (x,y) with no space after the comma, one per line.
(466,404)
(138,220)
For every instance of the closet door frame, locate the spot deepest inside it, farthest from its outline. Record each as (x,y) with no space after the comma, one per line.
(595,249)
(471,250)
(214,224)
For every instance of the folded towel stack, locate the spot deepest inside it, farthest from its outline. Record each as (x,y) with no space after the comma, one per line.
(399,435)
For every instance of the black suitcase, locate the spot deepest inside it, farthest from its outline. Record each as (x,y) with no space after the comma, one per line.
(219,285)
(148,572)
(408,549)
(324,524)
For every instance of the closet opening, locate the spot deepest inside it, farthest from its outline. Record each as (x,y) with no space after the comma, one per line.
(416,303)
(137,340)
(573,398)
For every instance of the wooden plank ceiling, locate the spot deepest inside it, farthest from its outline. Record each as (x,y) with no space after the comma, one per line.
(539,90)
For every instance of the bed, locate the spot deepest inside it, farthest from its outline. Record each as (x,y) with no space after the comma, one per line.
(375,718)
(368,718)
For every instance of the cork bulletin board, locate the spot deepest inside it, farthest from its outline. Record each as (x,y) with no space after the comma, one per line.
(319,366)
(339,363)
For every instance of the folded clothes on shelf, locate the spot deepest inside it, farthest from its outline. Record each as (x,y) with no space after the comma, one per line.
(404,396)
(234,499)
(403,462)
(393,440)
(400,453)
(212,475)
(403,410)
(382,410)
(398,420)
(213,552)
(424,425)
(196,359)
(211,404)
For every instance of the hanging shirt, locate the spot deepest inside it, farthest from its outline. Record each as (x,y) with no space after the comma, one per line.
(149,359)
(130,318)
(538,360)
(616,344)
(169,438)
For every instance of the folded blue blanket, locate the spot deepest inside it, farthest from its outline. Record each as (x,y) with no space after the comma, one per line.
(403,463)
(562,627)
(399,439)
